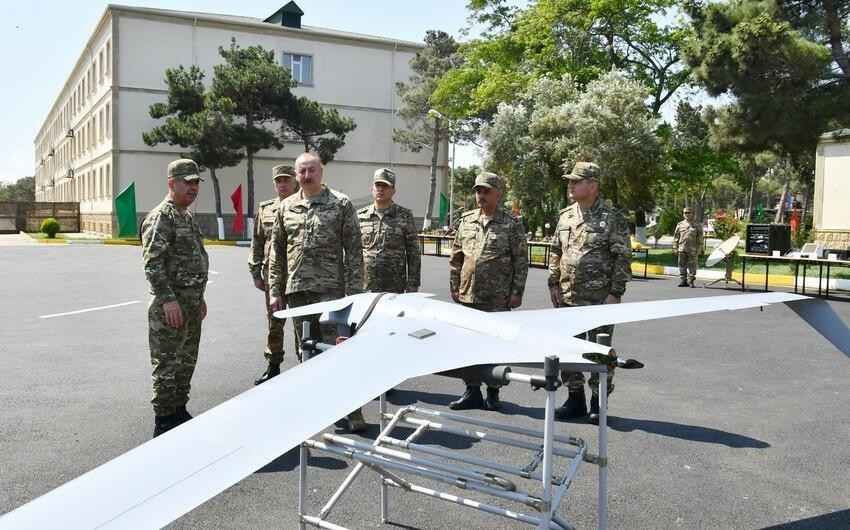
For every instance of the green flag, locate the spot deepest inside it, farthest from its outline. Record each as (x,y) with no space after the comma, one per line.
(760,213)
(444,208)
(125,211)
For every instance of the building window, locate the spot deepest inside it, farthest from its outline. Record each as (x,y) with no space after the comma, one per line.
(301,67)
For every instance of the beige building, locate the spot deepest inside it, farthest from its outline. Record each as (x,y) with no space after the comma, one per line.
(90,146)
(832,190)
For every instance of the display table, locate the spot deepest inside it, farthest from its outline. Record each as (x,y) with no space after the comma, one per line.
(796,262)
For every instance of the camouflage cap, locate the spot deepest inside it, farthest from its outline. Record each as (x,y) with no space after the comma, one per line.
(184,169)
(385,175)
(687,209)
(582,171)
(488,180)
(282,171)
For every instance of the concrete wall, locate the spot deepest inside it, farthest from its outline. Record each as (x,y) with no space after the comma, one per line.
(832,191)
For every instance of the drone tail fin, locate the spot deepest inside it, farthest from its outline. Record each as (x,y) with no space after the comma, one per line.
(824,320)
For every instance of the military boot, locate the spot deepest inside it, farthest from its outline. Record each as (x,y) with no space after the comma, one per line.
(594,410)
(163,424)
(271,371)
(182,414)
(356,423)
(574,407)
(683,283)
(491,402)
(691,283)
(471,399)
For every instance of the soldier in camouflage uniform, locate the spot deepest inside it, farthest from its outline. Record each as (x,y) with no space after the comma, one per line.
(390,243)
(258,263)
(589,264)
(687,245)
(316,253)
(176,265)
(487,269)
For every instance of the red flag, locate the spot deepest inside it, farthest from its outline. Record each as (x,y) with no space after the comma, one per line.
(516,208)
(238,224)
(795,222)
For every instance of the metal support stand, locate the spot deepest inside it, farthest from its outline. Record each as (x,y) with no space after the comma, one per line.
(399,460)
(727,277)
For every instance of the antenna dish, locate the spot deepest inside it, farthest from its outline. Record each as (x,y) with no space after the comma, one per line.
(722,250)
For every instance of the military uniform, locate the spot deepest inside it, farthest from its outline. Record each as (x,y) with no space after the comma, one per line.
(489,260)
(589,259)
(316,253)
(390,248)
(176,265)
(687,243)
(488,265)
(258,264)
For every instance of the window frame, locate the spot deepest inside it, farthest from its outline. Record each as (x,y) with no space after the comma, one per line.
(312,66)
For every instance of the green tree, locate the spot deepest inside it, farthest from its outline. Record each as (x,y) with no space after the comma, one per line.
(694,164)
(611,126)
(554,37)
(424,128)
(526,145)
(200,121)
(259,88)
(784,63)
(23,190)
(320,130)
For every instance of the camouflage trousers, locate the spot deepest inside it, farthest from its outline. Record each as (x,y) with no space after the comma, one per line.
(574,381)
(326,333)
(174,351)
(488,308)
(274,341)
(687,265)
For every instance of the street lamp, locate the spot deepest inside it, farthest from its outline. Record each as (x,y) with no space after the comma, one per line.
(437,113)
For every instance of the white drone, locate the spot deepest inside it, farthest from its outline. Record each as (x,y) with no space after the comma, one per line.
(398,337)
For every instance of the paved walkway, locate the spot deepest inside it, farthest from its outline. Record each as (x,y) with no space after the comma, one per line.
(15,239)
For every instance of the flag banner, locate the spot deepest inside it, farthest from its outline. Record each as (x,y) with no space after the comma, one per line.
(795,221)
(516,208)
(125,211)
(238,222)
(444,208)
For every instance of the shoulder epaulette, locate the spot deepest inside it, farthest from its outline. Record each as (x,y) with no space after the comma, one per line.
(266,203)
(467,214)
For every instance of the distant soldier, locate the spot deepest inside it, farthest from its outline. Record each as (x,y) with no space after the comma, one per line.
(390,243)
(487,269)
(258,263)
(176,265)
(589,264)
(316,253)
(687,245)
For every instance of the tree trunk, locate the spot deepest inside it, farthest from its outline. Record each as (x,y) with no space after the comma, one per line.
(753,180)
(432,187)
(640,226)
(217,195)
(249,123)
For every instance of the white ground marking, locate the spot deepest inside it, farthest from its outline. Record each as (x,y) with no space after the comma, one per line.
(91,309)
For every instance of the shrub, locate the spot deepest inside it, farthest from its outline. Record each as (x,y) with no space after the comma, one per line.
(726,225)
(50,226)
(667,221)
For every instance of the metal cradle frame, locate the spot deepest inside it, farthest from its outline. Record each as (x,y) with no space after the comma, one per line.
(397,460)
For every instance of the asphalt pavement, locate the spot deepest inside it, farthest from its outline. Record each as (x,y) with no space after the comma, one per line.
(740,419)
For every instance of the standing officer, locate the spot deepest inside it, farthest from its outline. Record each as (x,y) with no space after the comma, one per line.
(487,269)
(258,263)
(176,265)
(589,264)
(316,253)
(687,245)
(390,243)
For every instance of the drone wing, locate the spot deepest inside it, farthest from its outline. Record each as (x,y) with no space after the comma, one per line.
(166,477)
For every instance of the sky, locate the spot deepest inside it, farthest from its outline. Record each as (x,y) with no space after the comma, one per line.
(42,41)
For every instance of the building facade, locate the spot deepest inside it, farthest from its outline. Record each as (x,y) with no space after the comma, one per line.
(90,146)
(832,188)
